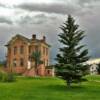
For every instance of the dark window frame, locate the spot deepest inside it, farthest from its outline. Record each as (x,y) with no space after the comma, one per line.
(15,62)
(21,62)
(15,50)
(21,49)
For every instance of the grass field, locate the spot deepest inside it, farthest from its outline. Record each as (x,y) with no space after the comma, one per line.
(49,89)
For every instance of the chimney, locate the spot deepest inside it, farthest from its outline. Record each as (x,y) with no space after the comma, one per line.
(44,38)
(34,36)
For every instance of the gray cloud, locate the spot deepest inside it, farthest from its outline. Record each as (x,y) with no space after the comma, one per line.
(40,18)
(49,8)
(37,19)
(87,1)
(2,5)
(5,20)
(90,4)
(81,7)
(48,18)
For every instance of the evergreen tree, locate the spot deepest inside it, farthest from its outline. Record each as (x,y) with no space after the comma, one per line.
(72,55)
(98,68)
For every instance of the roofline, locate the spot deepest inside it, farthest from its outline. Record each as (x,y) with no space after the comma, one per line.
(28,40)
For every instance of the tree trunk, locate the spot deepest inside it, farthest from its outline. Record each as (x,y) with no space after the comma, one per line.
(69,83)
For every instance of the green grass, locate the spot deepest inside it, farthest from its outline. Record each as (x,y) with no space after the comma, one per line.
(50,89)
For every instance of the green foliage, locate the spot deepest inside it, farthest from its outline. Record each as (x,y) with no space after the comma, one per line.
(98,68)
(2,63)
(50,66)
(10,77)
(6,77)
(0,75)
(72,55)
(36,56)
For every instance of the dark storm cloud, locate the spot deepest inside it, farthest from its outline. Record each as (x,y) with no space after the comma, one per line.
(2,5)
(36,19)
(87,1)
(90,4)
(49,8)
(47,17)
(5,21)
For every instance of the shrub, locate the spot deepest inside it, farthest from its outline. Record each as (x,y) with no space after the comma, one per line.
(0,76)
(10,77)
(6,77)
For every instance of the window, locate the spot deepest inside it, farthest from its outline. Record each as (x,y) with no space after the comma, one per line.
(47,63)
(29,49)
(22,62)
(37,72)
(46,51)
(44,62)
(21,49)
(43,50)
(15,50)
(14,62)
(48,71)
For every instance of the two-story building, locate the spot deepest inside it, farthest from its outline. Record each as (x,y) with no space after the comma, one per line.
(19,50)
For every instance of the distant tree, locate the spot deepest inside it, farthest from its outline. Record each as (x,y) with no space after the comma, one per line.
(98,68)
(72,55)
(36,57)
(3,63)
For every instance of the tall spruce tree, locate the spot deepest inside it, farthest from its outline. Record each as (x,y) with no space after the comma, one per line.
(72,55)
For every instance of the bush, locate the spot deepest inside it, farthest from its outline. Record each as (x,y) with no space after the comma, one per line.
(0,76)
(10,77)
(6,77)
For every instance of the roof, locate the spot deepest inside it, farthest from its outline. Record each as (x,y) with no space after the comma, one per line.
(93,61)
(18,36)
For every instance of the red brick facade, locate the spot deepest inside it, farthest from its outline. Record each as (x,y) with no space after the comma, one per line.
(19,50)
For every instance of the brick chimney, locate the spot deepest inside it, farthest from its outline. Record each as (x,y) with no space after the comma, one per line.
(34,36)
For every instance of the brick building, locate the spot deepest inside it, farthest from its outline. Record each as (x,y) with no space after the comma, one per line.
(19,50)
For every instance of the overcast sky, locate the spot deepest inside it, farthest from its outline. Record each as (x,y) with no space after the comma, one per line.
(44,17)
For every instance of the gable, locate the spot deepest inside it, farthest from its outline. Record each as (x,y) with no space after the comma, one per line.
(18,38)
